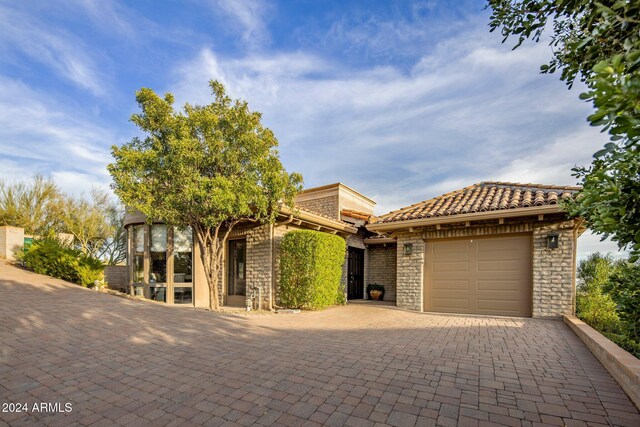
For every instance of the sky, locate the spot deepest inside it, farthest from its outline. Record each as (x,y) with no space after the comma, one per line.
(401,100)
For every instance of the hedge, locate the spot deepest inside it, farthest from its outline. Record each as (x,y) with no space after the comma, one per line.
(310,269)
(51,257)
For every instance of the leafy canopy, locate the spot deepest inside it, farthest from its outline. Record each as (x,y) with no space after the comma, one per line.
(599,44)
(204,166)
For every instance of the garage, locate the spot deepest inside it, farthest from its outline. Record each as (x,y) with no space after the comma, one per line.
(480,275)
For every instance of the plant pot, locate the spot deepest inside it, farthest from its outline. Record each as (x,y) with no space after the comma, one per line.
(375,295)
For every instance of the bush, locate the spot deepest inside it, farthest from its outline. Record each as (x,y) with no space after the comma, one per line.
(310,269)
(598,310)
(51,257)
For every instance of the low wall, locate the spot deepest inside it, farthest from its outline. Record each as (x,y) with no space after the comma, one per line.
(622,366)
(116,276)
(10,238)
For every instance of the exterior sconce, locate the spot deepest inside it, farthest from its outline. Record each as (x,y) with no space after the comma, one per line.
(408,248)
(552,240)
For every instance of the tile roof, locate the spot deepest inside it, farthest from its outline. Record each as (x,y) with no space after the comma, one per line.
(482,197)
(356,214)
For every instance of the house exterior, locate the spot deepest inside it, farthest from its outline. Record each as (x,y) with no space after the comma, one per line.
(492,248)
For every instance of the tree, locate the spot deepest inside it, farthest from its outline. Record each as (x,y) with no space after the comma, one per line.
(209,167)
(599,44)
(34,205)
(87,220)
(114,250)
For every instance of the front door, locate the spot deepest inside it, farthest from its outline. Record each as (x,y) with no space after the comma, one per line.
(355,285)
(237,273)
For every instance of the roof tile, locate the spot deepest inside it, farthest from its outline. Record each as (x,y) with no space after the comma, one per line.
(485,196)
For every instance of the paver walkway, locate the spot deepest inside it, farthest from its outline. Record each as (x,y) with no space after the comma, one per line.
(134,363)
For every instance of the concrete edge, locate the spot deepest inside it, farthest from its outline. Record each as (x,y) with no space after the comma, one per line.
(622,365)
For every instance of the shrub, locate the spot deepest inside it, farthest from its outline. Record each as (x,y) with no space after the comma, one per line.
(598,310)
(310,269)
(51,257)
(624,288)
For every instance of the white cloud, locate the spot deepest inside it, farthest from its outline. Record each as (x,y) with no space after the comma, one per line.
(249,15)
(38,136)
(65,54)
(589,243)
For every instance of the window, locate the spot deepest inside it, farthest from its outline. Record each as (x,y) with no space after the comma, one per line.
(183,266)
(158,258)
(138,259)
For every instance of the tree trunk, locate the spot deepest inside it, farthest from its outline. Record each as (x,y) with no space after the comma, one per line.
(212,255)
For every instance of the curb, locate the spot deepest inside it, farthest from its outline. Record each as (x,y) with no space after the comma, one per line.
(622,365)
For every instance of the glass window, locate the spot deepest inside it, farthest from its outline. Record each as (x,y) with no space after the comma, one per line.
(158,258)
(183,265)
(138,254)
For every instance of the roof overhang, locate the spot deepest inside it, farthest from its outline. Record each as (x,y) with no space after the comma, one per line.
(473,216)
(318,220)
(380,241)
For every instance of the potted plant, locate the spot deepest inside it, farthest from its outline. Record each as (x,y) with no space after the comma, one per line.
(375,291)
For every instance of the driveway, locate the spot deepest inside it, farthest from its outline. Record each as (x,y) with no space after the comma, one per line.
(126,362)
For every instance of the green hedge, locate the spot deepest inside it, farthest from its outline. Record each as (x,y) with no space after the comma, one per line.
(51,257)
(310,269)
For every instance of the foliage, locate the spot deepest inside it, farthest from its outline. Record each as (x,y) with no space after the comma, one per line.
(598,310)
(54,258)
(595,271)
(34,205)
(624,287)
(599,43)
(311,269)
(608,299)
(209,167)
(375,287)
(87,220)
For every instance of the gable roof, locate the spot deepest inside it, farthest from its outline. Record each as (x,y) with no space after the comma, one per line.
(486,196)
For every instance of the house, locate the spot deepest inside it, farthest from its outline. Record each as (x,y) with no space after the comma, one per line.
(493,248)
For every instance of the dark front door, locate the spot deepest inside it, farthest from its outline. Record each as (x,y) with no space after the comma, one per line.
(355,283)
(237,273)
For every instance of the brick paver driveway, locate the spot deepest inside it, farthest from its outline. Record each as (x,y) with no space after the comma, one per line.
(134,363)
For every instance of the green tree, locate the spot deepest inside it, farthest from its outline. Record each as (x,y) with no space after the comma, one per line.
(34,205)
(209,167)
(114,250)
(88,221)
(599,44)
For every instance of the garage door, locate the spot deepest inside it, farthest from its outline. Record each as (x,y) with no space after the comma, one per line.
(479,276)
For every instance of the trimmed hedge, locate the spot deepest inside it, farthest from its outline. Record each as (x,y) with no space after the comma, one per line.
(310,269)
(49,256)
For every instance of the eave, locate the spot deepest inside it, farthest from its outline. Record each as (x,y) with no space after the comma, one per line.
(473,216)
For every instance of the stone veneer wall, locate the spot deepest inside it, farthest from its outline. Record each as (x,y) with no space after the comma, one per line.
(260,263)
(328,206)
(382,268)
(410,272)
(553,269)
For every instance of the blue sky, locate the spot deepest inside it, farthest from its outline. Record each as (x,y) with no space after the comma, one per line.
(400,100)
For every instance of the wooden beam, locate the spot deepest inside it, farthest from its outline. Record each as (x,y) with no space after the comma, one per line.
(500,221)
(540,217)
(438,227)
(467,224)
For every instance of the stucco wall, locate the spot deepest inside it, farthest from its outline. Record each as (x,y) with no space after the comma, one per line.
(382,260)
(10,239)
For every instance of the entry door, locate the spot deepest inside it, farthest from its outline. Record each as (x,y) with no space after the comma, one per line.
(237,273)
(355,274)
